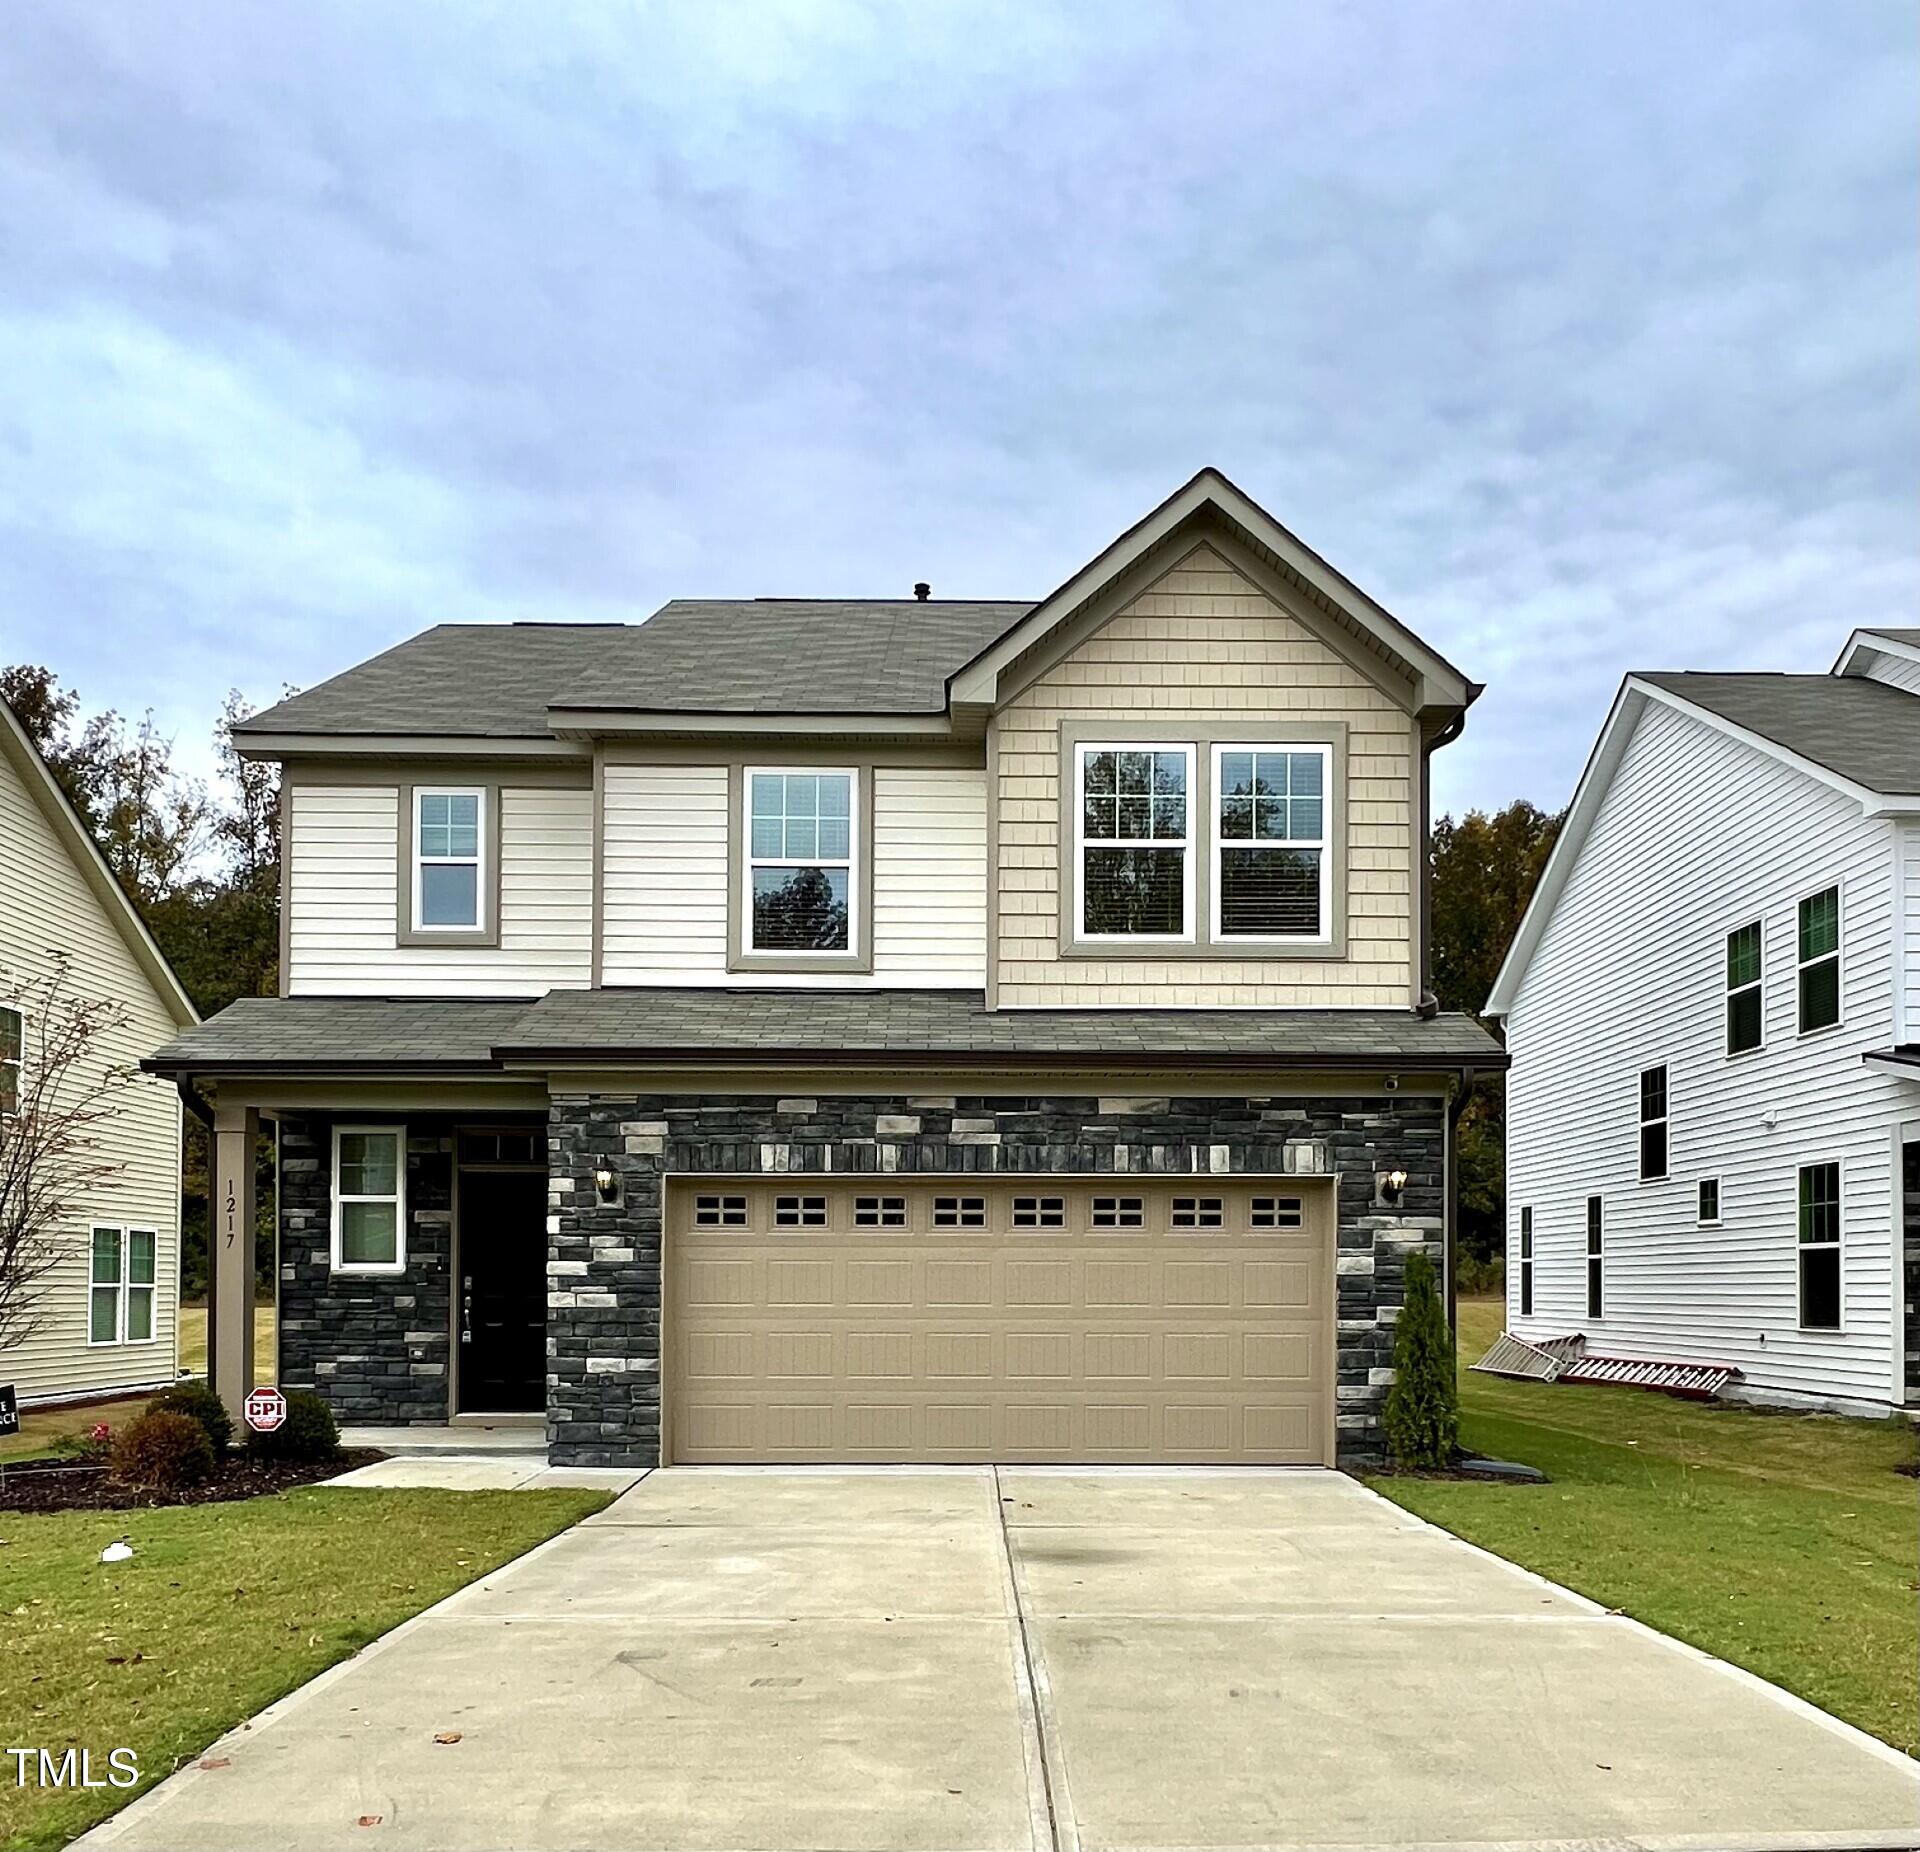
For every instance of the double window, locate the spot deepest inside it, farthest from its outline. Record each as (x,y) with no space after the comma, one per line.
(13,1044)
(1138,823)
(802,840)
(449,860)
(1746,993)
(1596,1258)
(1526,1263)
(121,1286)
(1820,1247)
(369,1198)
(1653,1124)
(1819,948)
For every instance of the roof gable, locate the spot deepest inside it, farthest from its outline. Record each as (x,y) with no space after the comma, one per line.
(1852,722)
(1210,504)
(74,836)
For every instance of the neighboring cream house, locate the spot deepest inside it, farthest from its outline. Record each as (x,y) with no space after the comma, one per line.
(863,1030)
(108,1312)
(1713,1011)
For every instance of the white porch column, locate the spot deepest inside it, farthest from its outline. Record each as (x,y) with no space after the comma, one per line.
(230,1260)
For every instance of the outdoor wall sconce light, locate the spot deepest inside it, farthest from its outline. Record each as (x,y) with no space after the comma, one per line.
(1392,1184)
(606,1186)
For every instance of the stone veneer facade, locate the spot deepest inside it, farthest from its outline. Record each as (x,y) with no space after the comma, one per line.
(603,1301)
(375,1345)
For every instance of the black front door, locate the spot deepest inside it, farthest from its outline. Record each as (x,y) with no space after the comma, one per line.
(503,1291)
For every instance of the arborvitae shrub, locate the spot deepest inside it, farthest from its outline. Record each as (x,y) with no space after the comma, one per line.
(308,1433)
(199,1403)
(1422,1417)
(162,1452)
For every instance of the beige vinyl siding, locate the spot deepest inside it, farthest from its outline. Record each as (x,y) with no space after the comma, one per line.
(1699,834)
(665,855)
(1204,646)
(46,903)
(344,858)
(665,848)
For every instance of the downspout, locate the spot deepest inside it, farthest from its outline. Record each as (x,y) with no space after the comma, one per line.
(1454,1110)
(1428,1006)
(191,1099)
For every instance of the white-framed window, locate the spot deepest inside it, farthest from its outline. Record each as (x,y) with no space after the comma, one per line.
(121,1278)
(1526,1263)
(1707,1211)
(1272,873)
(1596,1258)
(1746,989)
(1133,840)
(802,832)
(449,858)
(1653,1123)
(1819,1221)
(369,1198)
(1819,960)
(13,1049)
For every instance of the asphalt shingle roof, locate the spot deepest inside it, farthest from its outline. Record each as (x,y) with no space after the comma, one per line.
(1863,730)
(784,1025)
(368,1032)
(694,656)
(1895,634)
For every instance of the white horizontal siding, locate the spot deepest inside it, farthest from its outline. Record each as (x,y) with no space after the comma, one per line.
(1907,1027)
(343,857)
(1895,671)
(1697,835)
(46,905)
(665,848)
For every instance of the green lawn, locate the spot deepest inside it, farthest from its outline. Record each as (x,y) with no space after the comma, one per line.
(221,1609)
(193,1341)
(1785,1543)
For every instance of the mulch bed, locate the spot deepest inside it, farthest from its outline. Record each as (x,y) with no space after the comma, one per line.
(1465,1469)
(83,1485)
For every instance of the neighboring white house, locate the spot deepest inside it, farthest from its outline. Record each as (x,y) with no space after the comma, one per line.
(1713,1011)
(108,1313)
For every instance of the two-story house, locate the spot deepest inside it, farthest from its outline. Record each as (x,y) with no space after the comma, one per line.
(1713,1010)
(98,1285)
(856,1030)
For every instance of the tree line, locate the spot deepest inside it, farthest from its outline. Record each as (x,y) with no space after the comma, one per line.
(202,864)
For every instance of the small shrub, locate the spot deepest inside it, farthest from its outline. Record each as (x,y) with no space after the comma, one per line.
(162,1452)
(1481,1279)
(1422,1417)
(199,1403)
(308,1433)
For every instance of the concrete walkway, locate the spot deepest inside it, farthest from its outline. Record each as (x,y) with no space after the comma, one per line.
(966,1661)
(495,1471)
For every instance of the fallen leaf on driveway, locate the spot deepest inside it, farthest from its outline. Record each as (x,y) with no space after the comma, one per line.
(214,1762)
(368,1819)
(447,1736)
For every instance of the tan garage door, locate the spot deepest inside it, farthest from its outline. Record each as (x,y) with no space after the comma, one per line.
(1045,1320)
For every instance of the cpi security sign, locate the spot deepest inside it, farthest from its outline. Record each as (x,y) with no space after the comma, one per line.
(265,1410)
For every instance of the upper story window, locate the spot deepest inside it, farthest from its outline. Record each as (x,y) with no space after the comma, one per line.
(121,1285)
(1708,1204)
(1653,1124)
(801,847)
(449,859)
(1746,1011)
(1820,960)
(1135,819)
(369,1199)
(13,1043)
(1270,864)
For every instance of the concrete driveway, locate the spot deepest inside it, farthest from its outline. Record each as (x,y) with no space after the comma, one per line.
(730,1661)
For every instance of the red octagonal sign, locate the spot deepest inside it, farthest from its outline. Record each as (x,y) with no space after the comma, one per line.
(265,1410)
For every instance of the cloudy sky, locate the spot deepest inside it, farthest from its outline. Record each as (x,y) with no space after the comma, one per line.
(1583,336)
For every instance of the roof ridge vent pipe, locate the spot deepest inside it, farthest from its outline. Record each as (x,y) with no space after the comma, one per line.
(922,590)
